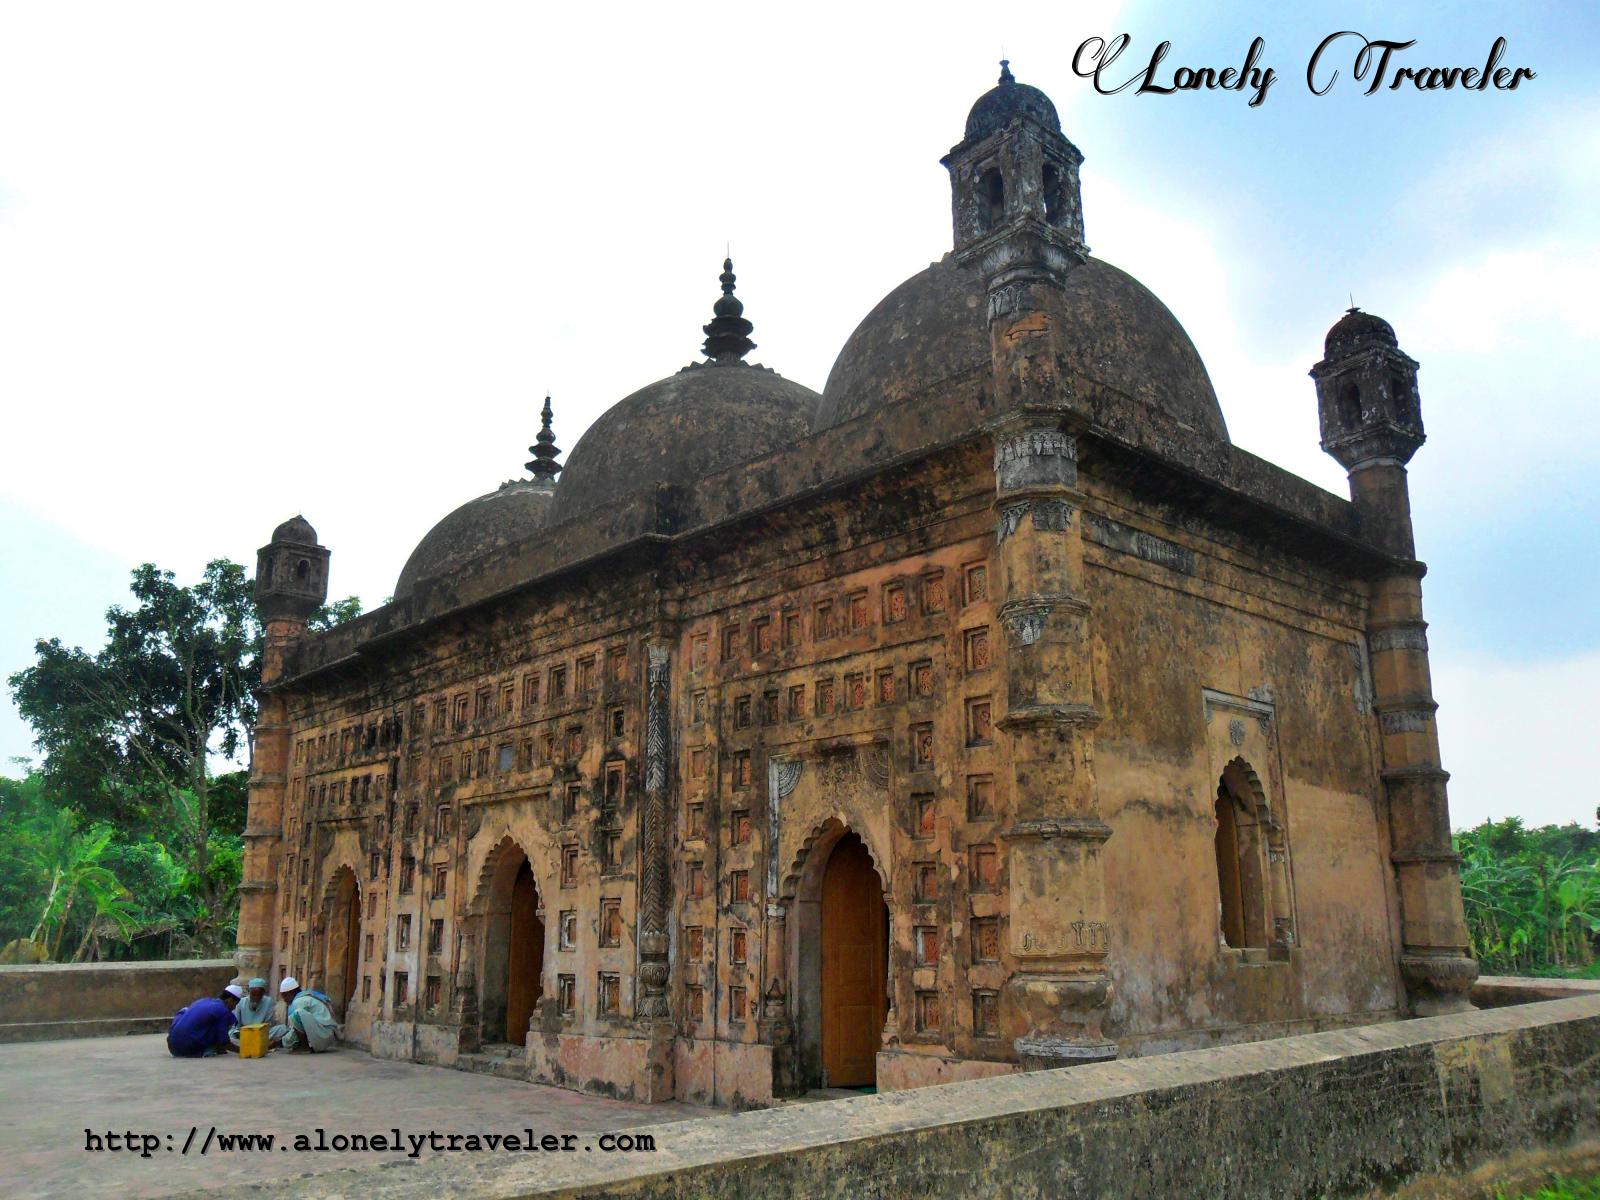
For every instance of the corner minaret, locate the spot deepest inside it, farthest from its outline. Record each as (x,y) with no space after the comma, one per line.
(1372,424)
(291,584)
(1019,222)
(1014,191)
(543,466)
(1371,421)
(728,334)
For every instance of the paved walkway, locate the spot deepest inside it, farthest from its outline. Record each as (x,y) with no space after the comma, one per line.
(52,1092)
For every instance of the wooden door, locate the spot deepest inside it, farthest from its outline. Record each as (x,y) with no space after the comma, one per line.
(526,955)
(352,950)
(855,997)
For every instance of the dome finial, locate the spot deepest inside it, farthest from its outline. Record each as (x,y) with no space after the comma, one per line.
(1005,71)
(728,334)
(543,465)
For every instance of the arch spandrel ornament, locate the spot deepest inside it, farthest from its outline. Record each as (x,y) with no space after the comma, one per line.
(811,856)
(1247,782)
(814,797)
(495,847)
(330,889)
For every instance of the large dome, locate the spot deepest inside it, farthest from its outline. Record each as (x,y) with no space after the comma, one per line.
(934,328)
(508,514)
(680,429)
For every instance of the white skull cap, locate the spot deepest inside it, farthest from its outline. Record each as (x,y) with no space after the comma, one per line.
(289,984)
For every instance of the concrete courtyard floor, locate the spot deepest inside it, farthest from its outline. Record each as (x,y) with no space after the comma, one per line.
(52,1092)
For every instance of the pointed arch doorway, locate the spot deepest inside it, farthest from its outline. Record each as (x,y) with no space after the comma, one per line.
(525,956)
(341,961)
(854,967)
(513,953)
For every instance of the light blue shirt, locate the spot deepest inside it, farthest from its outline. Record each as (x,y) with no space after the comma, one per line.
(255,1014)
(310,1021)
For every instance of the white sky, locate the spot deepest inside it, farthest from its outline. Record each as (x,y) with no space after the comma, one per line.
(327,258)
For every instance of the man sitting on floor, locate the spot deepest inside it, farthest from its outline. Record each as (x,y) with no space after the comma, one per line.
(202,1029)
(309,1022)
(254,1009)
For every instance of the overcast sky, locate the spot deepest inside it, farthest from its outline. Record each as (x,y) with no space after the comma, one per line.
(327,258)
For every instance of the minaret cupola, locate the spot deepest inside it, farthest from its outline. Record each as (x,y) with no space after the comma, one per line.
(1015,173)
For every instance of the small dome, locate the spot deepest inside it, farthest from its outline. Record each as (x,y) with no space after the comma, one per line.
(512,512)
(680,429)
(934,328)
(295,529)
(1357,330)
(996,107)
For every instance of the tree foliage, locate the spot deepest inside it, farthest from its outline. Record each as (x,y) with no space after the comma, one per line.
(335,612)
(131,730)
(129,832)
(1532,897)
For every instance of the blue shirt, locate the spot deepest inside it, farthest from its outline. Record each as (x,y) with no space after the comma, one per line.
(204,1024)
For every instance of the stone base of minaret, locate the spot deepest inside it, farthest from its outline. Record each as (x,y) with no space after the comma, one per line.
(253,962)
(1438,984)
(1064,1014)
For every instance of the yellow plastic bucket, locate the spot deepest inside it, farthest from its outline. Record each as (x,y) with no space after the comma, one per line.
(253,1041)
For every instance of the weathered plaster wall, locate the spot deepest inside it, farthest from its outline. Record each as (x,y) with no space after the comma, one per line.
(439,768)
(1209,652)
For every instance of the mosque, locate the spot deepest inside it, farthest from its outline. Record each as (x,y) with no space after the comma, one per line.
(987,711)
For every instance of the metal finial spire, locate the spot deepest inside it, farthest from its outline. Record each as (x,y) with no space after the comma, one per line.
(728,334)
(1005,71)
(543,465)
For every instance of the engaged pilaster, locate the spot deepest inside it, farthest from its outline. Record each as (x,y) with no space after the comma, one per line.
(1018,219)
(655,838)
(1059,933)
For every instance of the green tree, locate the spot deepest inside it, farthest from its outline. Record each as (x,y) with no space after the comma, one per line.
(68,860)
(334,612)
(132,738)
(1532,896)
(130,732)
(22,807)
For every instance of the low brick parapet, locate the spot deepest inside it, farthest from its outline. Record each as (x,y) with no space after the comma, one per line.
(1497,991)
(67,1000)
(1341,1113)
